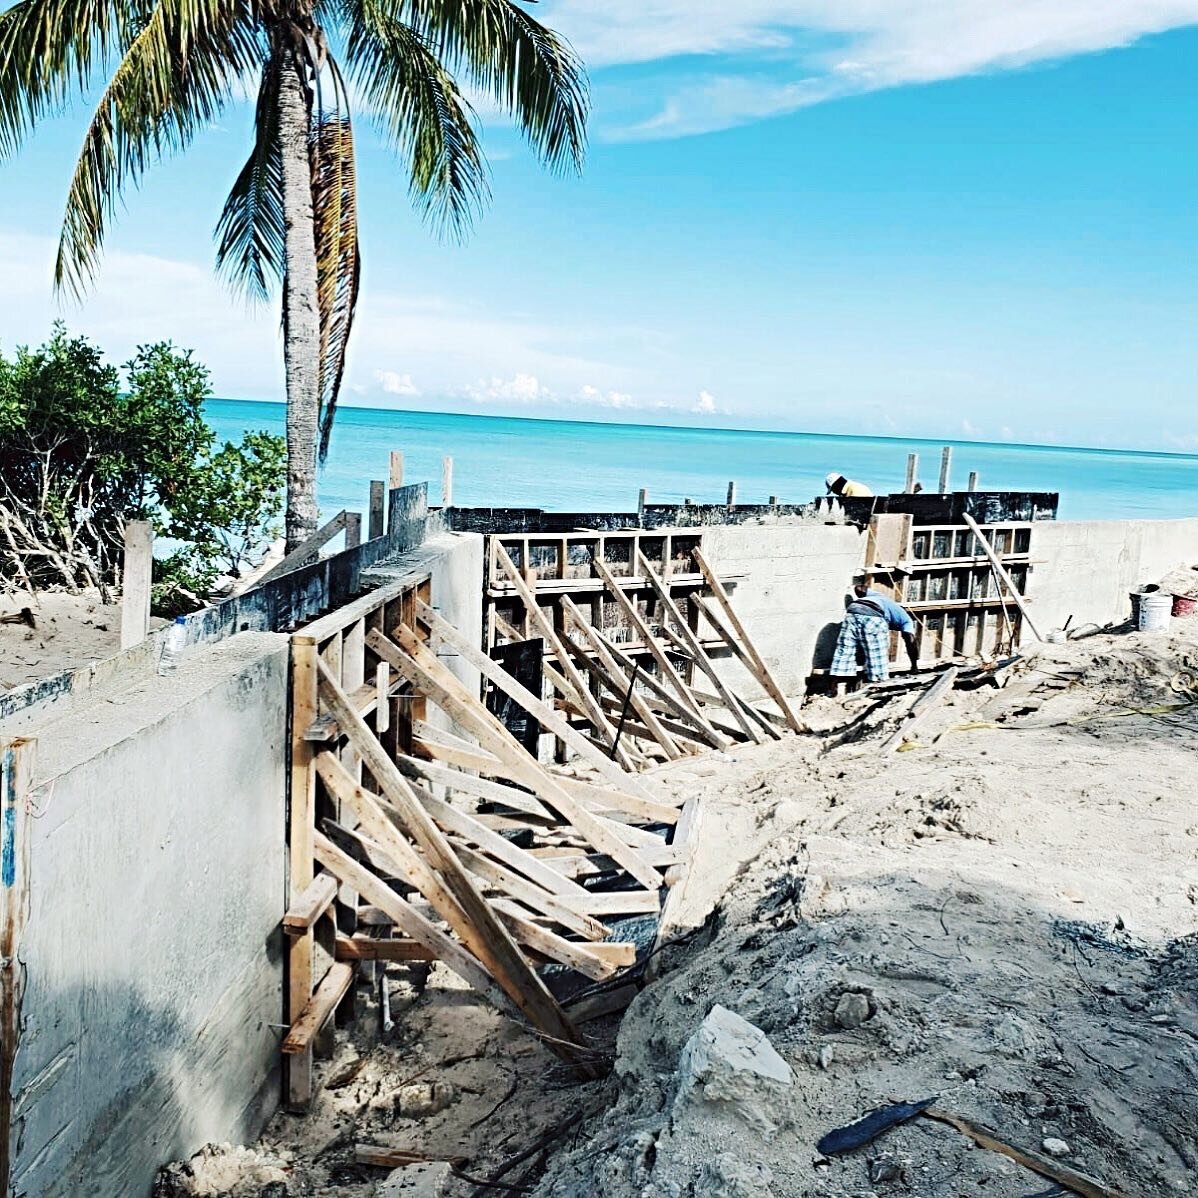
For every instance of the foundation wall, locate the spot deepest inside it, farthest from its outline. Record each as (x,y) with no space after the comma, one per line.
(791,598)
(151,953)
(1087,569)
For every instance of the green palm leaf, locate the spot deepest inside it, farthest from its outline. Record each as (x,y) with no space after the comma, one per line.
(250,233)
(175,76)
(423,113)
(48,50)
(525,68)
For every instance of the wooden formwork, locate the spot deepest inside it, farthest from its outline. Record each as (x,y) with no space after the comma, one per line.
(339,642)
(941,574)
(409,804)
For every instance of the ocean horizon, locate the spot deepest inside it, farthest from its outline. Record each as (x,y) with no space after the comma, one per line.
(577,465)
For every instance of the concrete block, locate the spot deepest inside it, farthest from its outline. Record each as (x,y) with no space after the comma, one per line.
(731,1063)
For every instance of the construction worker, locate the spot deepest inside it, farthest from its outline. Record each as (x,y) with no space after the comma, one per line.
(837,484)
(865,635)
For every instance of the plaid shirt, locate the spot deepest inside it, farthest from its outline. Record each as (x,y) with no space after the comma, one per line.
(863,637)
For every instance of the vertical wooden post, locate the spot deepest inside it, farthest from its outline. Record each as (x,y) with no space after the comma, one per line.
(973,480)
(301,837)
(447,482)
(396,480)
(16,782)
(641,500)
(946,463)
(732,494)
(773,501)
(353,530)
(912,472)
(378,502)
(686,502)
(135,582)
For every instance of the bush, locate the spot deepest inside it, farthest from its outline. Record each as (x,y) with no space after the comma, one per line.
(80,456)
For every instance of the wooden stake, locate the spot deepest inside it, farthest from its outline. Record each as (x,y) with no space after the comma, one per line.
(672,751)
(496,739)
(136,582)
(912,472)
(973,480)
(923,707)
(946,462)
(396,472)
(628,607)
(732,494)
(447,482)
(759,669)
(378,504)
(301,830)
(410,921)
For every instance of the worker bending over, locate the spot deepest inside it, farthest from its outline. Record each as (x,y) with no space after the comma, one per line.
(865,635)
(837,484)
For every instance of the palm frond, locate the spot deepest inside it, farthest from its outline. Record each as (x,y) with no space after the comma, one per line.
(527,69)
(422,111)
(48,50)
(250,232)
(338,267)
(175,77)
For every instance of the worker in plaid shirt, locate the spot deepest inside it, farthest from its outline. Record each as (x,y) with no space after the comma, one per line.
(865,635)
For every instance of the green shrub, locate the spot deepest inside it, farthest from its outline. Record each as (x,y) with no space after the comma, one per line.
(80,455)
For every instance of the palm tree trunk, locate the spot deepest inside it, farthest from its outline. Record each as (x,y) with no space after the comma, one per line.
(301,318)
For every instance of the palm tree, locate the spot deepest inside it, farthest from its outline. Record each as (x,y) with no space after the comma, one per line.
(172,65)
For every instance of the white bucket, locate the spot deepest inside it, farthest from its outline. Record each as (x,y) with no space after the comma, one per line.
(1155,612)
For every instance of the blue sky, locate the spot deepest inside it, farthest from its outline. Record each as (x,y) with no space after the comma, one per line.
(884,216)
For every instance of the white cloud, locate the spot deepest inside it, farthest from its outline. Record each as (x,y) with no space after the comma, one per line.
(792,53)
(705,405)
(395,384)
(520,388)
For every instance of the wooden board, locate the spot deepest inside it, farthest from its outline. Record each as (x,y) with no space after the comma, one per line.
(319,1007)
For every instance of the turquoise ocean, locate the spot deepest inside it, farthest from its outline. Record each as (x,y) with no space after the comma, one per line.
(569,465)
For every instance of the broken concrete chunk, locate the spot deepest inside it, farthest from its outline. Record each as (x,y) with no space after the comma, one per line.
(415,1181)
(225,1171)
(422,1099)
(727,1176)
(852,1010)
(731,1062)
(1055,1147)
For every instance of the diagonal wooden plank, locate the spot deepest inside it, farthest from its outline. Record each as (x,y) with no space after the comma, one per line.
(668,700)
(428,674)
(760,670)
(717,622)
(411,922)
(622,683)
(533,704)
(510,883)
(657,651)
(319,1007)
(501,955)
(697,651)
(544,626)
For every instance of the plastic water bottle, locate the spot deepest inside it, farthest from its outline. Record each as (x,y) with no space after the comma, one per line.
(172,648)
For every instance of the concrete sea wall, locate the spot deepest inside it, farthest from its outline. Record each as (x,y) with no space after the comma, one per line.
(151,951)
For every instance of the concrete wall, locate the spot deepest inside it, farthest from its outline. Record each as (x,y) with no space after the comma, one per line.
(152,953)
(1087,569)
(791,599)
